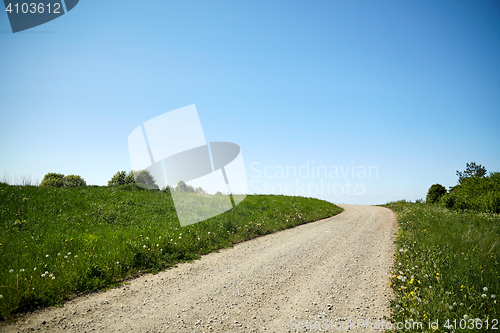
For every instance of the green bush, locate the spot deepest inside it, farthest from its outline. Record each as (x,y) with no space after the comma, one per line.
(73,181)
(129,178)
(435,193)
(475,194)
(118,179)
(183,187)
(53,179)
(145,179)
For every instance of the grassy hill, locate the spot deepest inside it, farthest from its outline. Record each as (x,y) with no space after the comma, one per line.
(56,242)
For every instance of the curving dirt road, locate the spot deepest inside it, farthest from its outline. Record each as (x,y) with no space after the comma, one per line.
(327,272)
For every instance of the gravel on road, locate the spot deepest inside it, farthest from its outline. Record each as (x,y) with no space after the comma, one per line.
(331,273)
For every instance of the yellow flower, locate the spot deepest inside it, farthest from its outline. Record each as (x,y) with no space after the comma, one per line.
(411,281)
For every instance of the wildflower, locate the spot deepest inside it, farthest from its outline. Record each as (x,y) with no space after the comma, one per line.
(485,288)
(59,254)
(69,253)
(466,317)
(117,262)
(34,269)
(484,296)
(76,255)
(21,270)
(157,244)
(66,257)
(144,246)
(53,277)
(11,271)
(179,237)
(171,239)
(46,256)
(493,296)
(1,296)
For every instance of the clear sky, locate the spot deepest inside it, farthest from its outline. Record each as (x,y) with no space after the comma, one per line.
(408,88)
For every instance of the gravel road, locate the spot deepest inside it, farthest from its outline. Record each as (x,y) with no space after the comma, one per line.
(330,271)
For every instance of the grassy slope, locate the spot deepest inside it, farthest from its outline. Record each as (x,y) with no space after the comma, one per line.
(447,265)
(58,241)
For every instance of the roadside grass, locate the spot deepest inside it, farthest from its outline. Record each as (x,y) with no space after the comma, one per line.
(59,242)
(446,268)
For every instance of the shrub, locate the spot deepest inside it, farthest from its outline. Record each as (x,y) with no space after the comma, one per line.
(117,179)
(129,178)
(73,181)
(183,187)
(481,194)
(144,178)
(435,193)
(53,179)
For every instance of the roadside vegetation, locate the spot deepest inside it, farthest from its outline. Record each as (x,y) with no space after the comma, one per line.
(59,241)
(447,260)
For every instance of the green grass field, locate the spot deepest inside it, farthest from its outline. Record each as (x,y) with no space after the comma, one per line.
(447,267)
(57,242)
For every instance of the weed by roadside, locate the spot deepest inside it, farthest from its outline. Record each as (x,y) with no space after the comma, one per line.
(446,268)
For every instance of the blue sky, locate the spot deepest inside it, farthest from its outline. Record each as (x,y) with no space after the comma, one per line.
(410,88)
